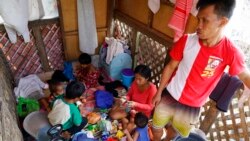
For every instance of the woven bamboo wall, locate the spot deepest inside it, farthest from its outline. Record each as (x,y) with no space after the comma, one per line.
(231,126)
(23,57)
(147,51)
(152,54)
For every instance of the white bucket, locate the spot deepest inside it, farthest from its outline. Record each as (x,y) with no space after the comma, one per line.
(34,122)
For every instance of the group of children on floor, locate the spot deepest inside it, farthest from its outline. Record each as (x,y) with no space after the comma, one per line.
(133,110)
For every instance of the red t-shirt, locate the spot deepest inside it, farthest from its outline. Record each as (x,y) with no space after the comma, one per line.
(142,99)
(201,67)
(90,79)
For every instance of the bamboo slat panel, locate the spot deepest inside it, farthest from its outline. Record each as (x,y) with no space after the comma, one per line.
(52,39)
(148,51)
(126,31)
(23,57)
(232,125)
(153,54)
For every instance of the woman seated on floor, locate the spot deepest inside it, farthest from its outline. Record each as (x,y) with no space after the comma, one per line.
(138,98)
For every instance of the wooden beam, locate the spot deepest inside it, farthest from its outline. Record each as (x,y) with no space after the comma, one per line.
(36,23)
(41,48)
(75,32)
(43,22)
(167,2)
(110,15)
(152,33)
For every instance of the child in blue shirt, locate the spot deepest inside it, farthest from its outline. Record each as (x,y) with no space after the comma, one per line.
(141,130)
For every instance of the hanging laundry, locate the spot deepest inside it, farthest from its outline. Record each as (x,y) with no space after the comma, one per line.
(15,14)
(115,47)
(193,11)
(50,9)
(87,26)
(36,10)
(179,19)
(154,5)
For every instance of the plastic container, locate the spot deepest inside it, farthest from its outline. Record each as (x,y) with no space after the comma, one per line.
(37,125)
(127,77)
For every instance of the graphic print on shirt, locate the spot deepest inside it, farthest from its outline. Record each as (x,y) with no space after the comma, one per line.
(212,64)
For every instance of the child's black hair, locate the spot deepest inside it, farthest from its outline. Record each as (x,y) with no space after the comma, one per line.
(59,76)
(74,89)
(143,70)
(141,120)
(84,58)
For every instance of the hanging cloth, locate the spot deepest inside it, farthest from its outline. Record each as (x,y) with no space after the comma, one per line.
(154,5)
(15,14)
(36,10)
(179,19)
(87,26)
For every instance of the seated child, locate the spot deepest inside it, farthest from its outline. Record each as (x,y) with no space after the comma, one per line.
(139,97)
(66,112)
(141,130)
(57,88)
(86,72)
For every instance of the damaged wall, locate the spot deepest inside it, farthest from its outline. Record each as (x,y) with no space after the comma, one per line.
(9,130)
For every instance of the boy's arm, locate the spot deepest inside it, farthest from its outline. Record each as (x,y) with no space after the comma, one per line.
(129,137)
(44,103)
(245,77)
(77,117)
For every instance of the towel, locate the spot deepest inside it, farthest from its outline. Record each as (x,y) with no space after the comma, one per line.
(179,19)
(154,5)
(225,90)
(87,26)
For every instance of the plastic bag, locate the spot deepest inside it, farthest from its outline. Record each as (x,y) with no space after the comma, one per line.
(26,106)
(104,99)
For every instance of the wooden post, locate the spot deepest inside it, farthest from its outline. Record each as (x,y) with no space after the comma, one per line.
(210,117)
(41,48)
(134,46)
(110,15)
(150,18)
